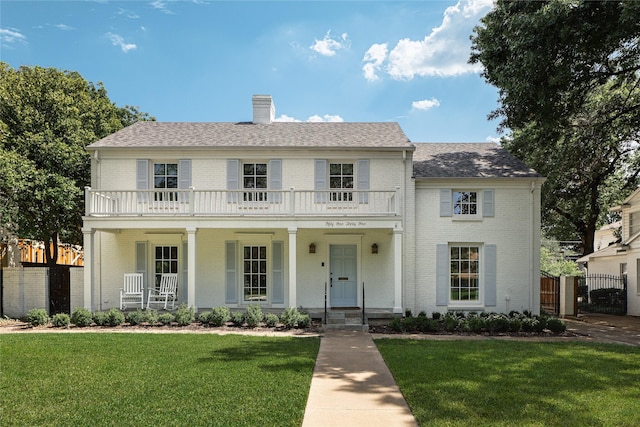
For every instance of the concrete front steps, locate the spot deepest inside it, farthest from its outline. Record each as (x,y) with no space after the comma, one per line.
(350,319)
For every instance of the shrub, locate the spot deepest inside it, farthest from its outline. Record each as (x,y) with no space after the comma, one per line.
(476,324)
(529,324)
(435,315)
(37,317)
(81,317)
(408,313)
(270,320)
(541,325)
(135,317)
(497,323)
(115,317)
(185,315)
(428,325)
(204,317)
(304,321)
(396,325)
(151,316)
(515,324)
(422,314)
(254,316)
(450,322)
(556,325)
(100,318)
(219,316)
(237,318)
(61,320)
(289,317)
(166,318)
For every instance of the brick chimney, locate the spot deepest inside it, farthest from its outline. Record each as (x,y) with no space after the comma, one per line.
(264,111)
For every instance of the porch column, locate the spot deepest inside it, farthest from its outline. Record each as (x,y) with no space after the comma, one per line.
(88,237)
(397,270)
(191,267)
(293,249)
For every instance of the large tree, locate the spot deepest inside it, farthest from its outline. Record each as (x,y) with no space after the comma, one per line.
(47,118)
(568,75)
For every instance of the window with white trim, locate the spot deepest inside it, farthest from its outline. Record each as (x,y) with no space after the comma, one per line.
(165,261)
(254,259)
(465,203)
(341,178)
(464,273)
(165,177)
(254,177)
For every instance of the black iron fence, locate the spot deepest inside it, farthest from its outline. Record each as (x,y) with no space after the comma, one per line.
(602,293)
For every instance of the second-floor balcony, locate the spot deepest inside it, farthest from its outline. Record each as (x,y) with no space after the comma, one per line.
(192,202)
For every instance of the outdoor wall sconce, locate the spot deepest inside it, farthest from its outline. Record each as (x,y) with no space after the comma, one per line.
(312,248)
(374,248)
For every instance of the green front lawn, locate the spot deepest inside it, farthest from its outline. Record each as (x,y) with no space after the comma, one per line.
(514,383)
(96,379)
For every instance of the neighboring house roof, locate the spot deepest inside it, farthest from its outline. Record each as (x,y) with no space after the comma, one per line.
(467,160)
(611,250)
(246,134)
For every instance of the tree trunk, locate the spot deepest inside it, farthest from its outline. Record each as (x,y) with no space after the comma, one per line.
(51,249)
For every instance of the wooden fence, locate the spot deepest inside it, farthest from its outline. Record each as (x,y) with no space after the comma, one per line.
(32,251)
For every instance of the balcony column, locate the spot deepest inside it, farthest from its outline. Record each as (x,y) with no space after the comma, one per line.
(397,270)
(88,237)
(191,266)
(293,264)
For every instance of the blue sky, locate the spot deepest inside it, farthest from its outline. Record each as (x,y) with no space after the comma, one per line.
(369,61)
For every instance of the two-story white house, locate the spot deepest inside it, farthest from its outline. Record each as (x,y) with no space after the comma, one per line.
(622,257)
(284,214)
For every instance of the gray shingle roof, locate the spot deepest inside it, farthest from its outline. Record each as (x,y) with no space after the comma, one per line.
(467,160)
(272,135)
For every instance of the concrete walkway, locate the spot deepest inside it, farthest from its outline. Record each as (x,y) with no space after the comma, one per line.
(352,386)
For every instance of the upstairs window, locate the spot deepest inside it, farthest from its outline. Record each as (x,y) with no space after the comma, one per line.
(465,203)
(341,178)
(254,177)
(165,177)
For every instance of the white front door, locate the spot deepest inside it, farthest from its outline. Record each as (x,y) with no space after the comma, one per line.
(342,262)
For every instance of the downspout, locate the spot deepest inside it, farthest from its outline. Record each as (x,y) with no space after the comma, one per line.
(404,226)
(531,244)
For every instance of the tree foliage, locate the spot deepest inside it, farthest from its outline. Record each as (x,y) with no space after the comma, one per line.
(47,118)
(568,74)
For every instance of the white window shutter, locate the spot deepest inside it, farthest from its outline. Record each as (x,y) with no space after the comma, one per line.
(233,180)
(277,255)
(184,178)
(320,180)
(231,273)
(445,202)
(141,261)
(488,203)
(363,180)
(275,180)
(142,179)
(442,274)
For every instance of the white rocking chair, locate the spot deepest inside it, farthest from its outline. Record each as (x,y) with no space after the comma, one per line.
(132,291)
(167,291)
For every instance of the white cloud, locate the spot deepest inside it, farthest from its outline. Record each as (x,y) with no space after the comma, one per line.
(328,46)
(12,36)
(285,118)
(161,5)
(64,27)
(128,13)
(314,119)
(425,104)
(495,139)
(375,56)
(443,52)
(117,40)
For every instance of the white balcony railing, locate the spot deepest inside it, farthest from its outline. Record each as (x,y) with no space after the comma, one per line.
(242,203)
